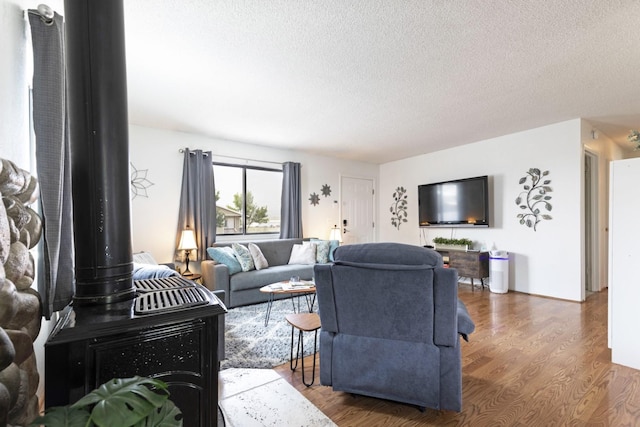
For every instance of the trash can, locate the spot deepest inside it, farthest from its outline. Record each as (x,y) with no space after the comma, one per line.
(499,271)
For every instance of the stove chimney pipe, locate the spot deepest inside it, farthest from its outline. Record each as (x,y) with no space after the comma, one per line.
(98,130)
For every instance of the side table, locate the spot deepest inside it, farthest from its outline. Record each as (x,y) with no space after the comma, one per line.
(304,322)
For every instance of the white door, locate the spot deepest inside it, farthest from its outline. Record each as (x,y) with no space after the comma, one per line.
(357,220)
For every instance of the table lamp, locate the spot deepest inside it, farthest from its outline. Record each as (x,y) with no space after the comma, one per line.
(187,244)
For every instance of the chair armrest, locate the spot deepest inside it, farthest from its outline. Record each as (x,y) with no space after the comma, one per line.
(215,277)
(171,265)
(445,299)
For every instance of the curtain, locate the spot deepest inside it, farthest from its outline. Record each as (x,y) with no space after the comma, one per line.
(197,200)
(55,264)
(291,203)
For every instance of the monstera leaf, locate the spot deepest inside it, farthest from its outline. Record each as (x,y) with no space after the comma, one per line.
(121,402)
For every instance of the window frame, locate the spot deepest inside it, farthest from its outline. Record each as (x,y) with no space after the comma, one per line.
(244,197)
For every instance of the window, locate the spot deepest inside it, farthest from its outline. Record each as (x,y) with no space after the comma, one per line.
(247,199)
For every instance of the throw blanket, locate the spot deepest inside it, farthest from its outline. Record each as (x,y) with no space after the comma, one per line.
(150,271)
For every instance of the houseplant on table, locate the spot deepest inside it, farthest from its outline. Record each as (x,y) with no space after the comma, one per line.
(442,243)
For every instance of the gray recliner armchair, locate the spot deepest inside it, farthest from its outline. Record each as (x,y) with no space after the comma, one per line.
(391,325)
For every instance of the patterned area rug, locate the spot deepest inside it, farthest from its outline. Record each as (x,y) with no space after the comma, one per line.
(250,344)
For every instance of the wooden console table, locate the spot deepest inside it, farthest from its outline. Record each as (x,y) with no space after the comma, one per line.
(474,265)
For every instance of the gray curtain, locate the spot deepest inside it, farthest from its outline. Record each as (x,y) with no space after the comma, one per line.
(291,204)
(55,265)
(197,200)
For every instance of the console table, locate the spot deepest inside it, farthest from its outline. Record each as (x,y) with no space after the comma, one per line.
(474,265)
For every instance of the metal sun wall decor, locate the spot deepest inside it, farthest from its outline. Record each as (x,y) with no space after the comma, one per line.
(315,198)
(139,182)
(534,197)
(398,208)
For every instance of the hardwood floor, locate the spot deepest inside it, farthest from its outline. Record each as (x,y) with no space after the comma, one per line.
(531,361)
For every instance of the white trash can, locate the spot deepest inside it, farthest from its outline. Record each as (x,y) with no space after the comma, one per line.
(499,271)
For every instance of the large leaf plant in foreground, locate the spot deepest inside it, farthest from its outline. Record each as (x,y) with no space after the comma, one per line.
(121,402)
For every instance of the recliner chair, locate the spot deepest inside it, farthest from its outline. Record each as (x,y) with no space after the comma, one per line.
(391,325)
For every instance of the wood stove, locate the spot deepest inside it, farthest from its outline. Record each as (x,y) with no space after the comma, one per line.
(115,327)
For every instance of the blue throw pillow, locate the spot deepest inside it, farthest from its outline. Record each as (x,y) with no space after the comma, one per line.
(224,255)
(332,246)
(243,256)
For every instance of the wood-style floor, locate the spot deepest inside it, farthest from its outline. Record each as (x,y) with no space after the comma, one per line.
(532,361)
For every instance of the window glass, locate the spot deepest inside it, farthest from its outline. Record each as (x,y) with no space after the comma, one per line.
(247,199)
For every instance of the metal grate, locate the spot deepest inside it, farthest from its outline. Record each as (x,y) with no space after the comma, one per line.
(152,285)
(170,299)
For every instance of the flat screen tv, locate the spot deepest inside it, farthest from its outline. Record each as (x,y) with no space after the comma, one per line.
(459,203)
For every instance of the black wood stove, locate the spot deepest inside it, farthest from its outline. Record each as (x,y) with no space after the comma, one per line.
(115,327)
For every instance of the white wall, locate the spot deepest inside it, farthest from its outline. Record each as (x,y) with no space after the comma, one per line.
(543,262)
(154,219)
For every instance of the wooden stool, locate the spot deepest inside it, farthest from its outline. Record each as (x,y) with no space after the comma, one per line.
(304,322)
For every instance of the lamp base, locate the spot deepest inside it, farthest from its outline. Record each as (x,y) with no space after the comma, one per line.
(186,271)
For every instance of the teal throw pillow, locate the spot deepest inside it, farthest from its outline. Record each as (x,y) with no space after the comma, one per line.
(332,248)
(243,256)
(225,255)
(322,250)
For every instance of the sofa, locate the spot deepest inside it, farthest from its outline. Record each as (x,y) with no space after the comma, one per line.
(243,287)
(391,325)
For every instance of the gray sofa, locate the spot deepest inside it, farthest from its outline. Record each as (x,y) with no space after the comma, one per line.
(243,288)
(391,321)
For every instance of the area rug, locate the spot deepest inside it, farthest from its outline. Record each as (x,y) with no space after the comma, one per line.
(251,344)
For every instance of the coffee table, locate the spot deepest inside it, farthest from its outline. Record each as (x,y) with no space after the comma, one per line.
(306,288)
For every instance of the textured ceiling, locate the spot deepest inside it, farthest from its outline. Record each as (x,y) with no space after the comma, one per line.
(381,80)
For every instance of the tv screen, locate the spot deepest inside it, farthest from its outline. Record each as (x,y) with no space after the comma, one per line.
(459,203)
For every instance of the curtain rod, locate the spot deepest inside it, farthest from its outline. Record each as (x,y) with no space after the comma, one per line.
(46,13)
(240,158)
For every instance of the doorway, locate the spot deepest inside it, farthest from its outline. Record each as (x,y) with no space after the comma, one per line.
(591,220)
(356,210)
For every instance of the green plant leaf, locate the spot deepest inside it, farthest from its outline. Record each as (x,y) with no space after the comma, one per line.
(124,401)
(65,416)
(168,415)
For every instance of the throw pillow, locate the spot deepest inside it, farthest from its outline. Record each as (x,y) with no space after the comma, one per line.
(225,255)
(322,250)
(303,254)
(243,256)
(144,258)
(151,271)
(332,248)
(258,258)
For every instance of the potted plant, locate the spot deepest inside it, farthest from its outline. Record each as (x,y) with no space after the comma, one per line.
(120,402)
(442,243)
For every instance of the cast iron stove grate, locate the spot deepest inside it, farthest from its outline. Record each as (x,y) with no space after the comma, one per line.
(172,282)
(168,293)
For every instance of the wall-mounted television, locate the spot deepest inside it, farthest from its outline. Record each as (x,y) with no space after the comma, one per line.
(459,203)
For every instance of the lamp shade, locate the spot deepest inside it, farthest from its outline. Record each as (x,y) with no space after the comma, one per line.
(187,240)
(335,234)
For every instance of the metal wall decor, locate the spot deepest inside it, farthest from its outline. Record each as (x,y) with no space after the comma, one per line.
(399,207)
(534,198)
(314,199)
(326,190)
(139,182)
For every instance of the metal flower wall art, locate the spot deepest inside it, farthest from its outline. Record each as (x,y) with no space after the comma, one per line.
(534,198)
(139,182)
(399,207)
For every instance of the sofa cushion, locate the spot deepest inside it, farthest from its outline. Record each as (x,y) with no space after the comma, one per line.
(225,255)
(303,254)
(243,256)
(258,258)
(255,279)
(144,258)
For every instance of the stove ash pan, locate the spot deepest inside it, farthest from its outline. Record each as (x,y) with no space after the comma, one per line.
(167,294)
